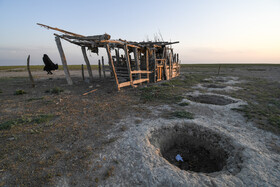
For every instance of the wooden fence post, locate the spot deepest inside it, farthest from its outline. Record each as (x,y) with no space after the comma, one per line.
(63,60)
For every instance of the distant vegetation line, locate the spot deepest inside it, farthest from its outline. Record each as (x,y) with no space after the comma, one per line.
(41,67)
(94,67)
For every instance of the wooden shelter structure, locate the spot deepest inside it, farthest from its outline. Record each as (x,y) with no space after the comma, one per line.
(131,63)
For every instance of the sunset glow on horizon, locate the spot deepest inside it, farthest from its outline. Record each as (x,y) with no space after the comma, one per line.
(209,31)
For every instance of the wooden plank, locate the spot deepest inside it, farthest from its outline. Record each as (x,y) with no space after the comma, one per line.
(87,63)
(29,72)
(63,60)
(123,84)
(60,30)
(140,81)
(103,67)
(141,71)
(128,64)
(89,92)
(112,65)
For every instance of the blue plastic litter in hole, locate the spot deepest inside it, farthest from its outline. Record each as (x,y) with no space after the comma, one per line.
(179,158)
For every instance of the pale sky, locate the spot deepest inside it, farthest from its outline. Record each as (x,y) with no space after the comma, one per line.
(209,31)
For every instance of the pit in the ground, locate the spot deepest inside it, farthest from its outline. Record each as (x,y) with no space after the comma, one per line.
(201,149)
(211,99)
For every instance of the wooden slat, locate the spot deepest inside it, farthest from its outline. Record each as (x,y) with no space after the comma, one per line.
(140,71)
(123,84)
(140,81)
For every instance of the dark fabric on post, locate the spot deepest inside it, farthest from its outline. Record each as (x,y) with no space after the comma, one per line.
(49,65)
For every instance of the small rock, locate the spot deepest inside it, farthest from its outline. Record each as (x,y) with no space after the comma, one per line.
(11,138)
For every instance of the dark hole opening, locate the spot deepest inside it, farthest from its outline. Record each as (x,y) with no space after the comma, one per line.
(201,149)
(211,99)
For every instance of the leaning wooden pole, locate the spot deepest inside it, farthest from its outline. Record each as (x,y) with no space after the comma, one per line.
(63,60)
(29,72)
(112,65)
(87,63)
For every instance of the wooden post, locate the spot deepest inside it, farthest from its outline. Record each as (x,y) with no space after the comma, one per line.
(147,63)
(99,68)
(29,72)
(155,65)
(136,57)
(83,74)
(63,60)
(112,65)
(219,69)
(87,63)
(128,64)
(103,67)
(117,56)
(170,59)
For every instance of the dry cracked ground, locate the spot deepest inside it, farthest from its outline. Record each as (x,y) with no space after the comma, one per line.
(225,127)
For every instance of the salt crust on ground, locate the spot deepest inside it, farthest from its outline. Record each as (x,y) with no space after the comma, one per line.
(139,162)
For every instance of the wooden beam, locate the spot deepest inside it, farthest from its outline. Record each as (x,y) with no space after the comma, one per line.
(60,30)
(128,83)
(63,60)
(29,72)
(140,81)
(87,63)
(112,65)
(128,64)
